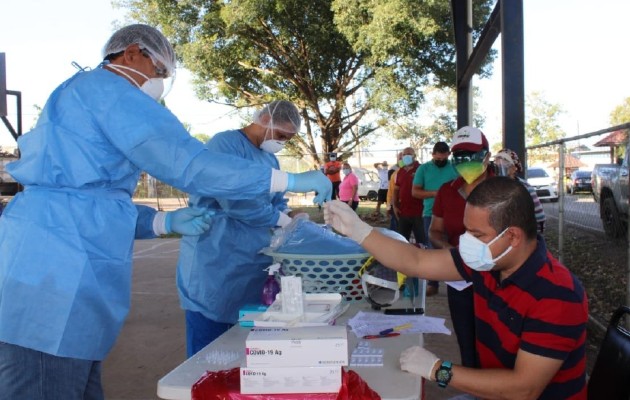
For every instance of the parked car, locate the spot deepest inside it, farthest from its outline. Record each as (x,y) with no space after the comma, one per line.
(368,183)
(545,185)
(579,181)
(610,190)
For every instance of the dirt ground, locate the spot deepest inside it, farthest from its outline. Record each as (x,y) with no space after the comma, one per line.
(601,264)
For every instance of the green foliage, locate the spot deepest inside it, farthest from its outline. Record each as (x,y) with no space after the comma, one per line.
(621,113)
(202,137)
(348,64)
(438,120)
(542,126)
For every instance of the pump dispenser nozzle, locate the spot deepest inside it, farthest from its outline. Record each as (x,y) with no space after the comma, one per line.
(271,287)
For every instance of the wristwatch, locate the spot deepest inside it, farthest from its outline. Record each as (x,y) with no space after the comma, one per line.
(444,374)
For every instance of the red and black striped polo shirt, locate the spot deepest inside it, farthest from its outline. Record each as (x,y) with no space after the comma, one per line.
(542,309)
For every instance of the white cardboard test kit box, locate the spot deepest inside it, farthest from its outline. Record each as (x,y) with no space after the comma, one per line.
(276,380)
(314,346)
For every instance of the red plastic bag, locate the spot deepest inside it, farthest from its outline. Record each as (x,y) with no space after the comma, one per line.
(226,385)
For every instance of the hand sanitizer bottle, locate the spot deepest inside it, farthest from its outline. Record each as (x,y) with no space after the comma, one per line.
(271,287)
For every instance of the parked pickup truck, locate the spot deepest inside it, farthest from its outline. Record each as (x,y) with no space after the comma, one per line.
(610,190)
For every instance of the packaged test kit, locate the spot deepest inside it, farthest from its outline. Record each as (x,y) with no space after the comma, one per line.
(269,380)
(297,347)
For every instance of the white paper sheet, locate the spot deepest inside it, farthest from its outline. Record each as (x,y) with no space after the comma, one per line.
(458,285)
(371,323)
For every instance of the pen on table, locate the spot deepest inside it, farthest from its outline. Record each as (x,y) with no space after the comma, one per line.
(396,328)
(391,334)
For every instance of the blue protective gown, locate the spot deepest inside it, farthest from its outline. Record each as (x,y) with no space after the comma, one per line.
(220,271)
(66,241)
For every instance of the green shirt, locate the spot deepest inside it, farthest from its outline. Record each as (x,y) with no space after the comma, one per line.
(431,177)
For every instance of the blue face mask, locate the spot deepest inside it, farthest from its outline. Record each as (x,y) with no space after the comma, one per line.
(407,160)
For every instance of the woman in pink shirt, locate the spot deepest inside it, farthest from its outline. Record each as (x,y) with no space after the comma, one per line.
(349,188)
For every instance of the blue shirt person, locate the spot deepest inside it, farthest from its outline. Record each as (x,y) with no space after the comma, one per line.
(67,239)
(426,182)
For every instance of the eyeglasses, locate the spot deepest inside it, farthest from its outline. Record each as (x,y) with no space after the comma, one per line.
(161,72)
(467,156)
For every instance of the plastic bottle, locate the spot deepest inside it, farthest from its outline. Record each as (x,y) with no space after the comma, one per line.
(271,287)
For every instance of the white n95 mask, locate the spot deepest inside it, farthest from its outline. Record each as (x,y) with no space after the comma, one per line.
(154,87)
(476,254)
(272,146)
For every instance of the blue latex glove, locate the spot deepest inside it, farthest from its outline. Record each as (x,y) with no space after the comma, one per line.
(188,221)
(311,181)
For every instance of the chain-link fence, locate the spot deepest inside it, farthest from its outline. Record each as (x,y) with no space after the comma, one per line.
(150,188)
(583,184)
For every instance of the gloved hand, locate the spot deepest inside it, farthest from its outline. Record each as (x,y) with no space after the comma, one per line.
(311,181)
(343,218)
(188,221)
(419,361)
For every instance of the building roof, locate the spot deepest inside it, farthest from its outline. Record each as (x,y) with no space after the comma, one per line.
(614,139)
(569,162)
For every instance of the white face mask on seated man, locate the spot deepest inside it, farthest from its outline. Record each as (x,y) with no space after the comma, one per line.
(476,254)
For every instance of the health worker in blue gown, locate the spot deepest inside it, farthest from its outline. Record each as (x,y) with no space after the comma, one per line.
(66,240)
(219,272)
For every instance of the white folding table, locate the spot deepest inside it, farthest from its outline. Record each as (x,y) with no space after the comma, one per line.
(389,381)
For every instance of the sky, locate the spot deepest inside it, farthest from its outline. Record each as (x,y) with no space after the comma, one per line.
(574,54)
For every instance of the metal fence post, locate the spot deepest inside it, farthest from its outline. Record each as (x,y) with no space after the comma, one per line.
(561,201)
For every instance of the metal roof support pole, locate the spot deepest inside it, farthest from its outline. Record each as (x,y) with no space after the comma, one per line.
(512,61)
(462,22)
(3,85)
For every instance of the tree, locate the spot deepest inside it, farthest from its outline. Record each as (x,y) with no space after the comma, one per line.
(202,137)
(437,121)
(542,126)
(621,113)
(348,65)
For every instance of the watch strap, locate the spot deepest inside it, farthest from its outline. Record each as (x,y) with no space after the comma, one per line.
(444,374)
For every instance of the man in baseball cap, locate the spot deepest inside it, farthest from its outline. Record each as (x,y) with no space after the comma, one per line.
(471,154)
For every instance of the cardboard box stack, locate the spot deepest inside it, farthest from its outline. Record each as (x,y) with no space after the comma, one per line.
(294,360)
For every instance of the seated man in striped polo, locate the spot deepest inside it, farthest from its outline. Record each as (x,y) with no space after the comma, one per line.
(530,310)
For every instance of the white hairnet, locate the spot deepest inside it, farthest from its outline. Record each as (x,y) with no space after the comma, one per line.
(282,112)
(148,38)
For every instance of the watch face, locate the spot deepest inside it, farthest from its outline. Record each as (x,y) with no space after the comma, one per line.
(443,375)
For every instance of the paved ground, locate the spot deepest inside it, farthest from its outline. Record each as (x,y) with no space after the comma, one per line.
(152,341)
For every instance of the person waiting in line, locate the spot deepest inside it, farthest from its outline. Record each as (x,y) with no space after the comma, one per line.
(332,169)
(408,210)
(426,182)
(507,163)
(349,188)
(383,176)
(67,239)
(530,311)
(393,171)
(217,272)
(471,158)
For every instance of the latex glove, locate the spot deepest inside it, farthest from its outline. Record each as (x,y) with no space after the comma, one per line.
(311,181)
(340,216)
(188,221)
(419,361)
